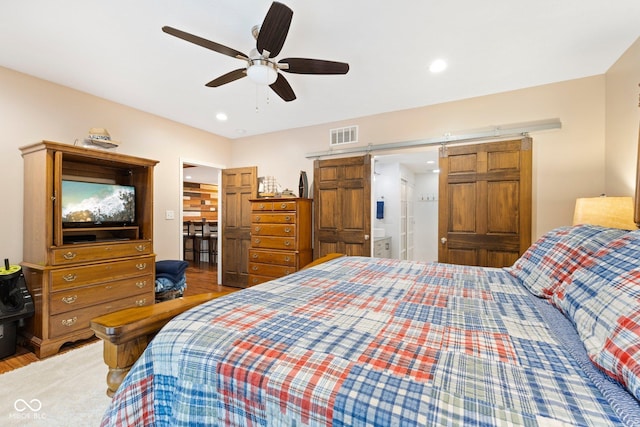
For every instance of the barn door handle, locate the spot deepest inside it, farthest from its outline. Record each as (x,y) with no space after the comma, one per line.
(443,240)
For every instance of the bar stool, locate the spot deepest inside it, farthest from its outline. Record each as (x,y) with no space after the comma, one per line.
(205,241)
(186,238)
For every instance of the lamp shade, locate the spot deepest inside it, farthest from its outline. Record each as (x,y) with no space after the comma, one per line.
(262,73)
(614,212)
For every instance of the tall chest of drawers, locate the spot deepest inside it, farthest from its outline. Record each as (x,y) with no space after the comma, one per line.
(76,273)
(281,241)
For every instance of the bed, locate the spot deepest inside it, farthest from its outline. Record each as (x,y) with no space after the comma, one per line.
(552,340)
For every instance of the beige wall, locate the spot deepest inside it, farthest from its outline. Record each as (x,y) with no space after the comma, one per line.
(622,119)
(568,162)
(32,110)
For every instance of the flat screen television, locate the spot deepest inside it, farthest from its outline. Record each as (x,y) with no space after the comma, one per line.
(87,204)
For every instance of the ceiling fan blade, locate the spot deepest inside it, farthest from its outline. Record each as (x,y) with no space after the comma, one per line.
(314,66)
(274,29)
(283,89)
(228,78)
(205,43)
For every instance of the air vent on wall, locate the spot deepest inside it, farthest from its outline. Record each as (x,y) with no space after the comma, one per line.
(345,135)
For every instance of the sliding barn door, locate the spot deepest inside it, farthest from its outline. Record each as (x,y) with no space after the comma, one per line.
(485,203)
(238,186)
(342,206)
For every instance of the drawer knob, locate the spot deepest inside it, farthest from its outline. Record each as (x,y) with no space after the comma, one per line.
(141,265)
(288,218)
(140,248)
(287,230)
(254,256)
(70,299)
(257,219)
(287,259)
(69,277)
(257,228)
(254,268)
(69,322)
(141,284)
(257,241)
(141,302)
(69,255)
(261,205)
(287,243)
(283,205)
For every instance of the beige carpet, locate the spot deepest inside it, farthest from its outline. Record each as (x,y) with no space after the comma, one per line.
(63,390)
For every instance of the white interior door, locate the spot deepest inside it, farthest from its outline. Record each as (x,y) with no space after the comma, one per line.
(403,219)
(410,222)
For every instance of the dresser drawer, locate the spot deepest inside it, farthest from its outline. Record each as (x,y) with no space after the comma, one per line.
(72,277)
(256,280)
(269,257)
(64,323)
(282,230)
(74,254)
(73,299)
(274,218)
(274,206)
(271,270)
(273,242)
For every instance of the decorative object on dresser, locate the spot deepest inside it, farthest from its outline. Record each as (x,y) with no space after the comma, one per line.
(280,238)
(79,270)
(303,185)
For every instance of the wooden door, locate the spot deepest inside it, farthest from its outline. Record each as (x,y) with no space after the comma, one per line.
(238,186)
(342,206)
(485,203)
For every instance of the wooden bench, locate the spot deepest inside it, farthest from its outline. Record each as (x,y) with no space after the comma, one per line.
(126,333)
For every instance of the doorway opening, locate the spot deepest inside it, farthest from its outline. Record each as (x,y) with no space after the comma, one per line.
(407,185)
(199,216)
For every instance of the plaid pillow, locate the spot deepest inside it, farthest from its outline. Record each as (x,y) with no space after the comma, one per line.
(555,256)
(620,357)
(603,302)
(598,271)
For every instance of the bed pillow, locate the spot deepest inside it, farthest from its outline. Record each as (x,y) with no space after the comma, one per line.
(603,302)
(597,272)
(556,255)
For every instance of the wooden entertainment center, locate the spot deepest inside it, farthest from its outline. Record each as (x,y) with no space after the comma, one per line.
(75,274)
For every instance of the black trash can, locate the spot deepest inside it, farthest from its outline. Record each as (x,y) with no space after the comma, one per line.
(16,305)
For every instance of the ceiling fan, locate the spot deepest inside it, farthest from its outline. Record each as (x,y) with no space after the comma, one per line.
(260,63)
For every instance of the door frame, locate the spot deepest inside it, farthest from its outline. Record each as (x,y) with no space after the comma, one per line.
(182,161)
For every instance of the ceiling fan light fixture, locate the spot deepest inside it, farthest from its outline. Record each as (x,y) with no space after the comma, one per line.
(262,72)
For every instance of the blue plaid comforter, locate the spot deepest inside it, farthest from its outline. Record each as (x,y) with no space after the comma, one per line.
(362,341)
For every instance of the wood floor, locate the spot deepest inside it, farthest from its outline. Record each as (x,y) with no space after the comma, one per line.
(201,278)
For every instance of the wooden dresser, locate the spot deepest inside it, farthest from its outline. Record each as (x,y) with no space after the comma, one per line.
(75,274)
(281,240)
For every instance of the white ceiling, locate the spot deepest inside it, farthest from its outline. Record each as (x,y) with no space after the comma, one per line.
(116,50)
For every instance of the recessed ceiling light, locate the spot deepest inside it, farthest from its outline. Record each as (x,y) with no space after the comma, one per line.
(221,117)
(438,66)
